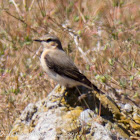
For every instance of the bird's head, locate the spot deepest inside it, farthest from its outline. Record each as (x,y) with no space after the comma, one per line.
(49,42)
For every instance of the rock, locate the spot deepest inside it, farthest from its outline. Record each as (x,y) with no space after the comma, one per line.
(73,118)
(128,107)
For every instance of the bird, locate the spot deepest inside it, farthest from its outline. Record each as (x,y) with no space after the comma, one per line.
(59,66)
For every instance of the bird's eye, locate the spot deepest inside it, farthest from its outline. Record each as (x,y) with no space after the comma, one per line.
(48,40)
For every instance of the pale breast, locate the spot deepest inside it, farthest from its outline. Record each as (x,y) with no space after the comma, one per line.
(44,65)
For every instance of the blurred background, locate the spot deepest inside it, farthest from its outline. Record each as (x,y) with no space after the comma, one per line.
(101,36)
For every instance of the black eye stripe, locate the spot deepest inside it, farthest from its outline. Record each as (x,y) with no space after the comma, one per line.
(49,40)
(37,40)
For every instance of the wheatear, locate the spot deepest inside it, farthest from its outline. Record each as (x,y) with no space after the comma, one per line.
(58,65)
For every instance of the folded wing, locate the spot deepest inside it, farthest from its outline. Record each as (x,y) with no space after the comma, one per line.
(64,66)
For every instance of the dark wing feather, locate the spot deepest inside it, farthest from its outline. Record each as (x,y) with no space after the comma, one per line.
(65,67)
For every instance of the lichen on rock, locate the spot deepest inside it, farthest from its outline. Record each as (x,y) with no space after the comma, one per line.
(94,116)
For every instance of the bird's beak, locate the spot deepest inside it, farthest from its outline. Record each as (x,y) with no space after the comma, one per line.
(37,40)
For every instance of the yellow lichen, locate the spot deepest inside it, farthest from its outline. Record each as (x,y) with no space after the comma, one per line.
(12,138)
(134,125)
(73,114)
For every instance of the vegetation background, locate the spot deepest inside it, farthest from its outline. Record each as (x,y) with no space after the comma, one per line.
(101,36)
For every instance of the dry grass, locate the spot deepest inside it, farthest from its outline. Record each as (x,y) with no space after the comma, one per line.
(108,48)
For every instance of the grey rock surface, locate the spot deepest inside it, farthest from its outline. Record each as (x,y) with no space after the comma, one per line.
(49,120)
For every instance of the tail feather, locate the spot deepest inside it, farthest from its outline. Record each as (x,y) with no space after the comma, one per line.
(90,85)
